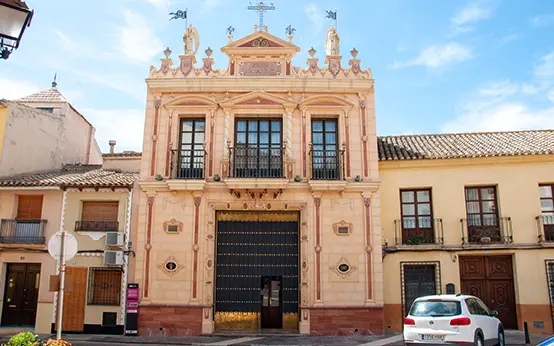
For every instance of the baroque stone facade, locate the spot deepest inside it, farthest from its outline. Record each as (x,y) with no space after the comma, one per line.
(260,141)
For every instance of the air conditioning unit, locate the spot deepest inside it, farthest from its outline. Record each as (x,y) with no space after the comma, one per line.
(113,258)
(115,239)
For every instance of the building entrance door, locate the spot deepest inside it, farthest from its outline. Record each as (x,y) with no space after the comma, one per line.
(256,282)
(491,278)
(21,294)
(271,302)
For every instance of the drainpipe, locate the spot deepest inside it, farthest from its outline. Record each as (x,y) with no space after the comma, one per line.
(127,253)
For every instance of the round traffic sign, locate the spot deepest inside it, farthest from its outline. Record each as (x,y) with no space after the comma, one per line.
(55,246)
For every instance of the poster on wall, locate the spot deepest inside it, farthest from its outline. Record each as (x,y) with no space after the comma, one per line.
(131,312)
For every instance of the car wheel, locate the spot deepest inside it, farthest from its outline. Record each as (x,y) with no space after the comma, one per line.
(478,340)
(501,338)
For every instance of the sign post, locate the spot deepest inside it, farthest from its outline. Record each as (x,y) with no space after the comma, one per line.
(62,246)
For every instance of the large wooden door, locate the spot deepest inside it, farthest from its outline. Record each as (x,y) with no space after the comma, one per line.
(74,299)
(491,278)
(21,294)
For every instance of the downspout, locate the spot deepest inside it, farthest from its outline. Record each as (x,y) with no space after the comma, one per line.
(126,258)
(62,216)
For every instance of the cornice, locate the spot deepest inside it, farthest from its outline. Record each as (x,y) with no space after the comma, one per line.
(267,84)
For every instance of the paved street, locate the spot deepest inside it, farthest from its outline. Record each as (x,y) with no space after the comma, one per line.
(512,338)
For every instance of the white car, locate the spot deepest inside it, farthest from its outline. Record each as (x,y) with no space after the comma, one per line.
(452,320)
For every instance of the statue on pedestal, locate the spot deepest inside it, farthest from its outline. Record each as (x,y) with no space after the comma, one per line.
(191,39)
(332,42)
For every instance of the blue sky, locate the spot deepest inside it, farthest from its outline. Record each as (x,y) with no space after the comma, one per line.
(439,66)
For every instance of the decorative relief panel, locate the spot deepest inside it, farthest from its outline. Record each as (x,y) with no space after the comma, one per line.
(342,228)
(344,269)
(174,205)
(170,267)
(342,202)
(260,68)
(173,226)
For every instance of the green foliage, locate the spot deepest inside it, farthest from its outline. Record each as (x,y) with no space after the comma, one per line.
(24,339)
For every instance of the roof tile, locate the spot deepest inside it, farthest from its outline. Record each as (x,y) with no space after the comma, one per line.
(51,95)
(465,145)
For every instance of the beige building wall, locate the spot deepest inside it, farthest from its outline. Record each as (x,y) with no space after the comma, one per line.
(51,211)
(517,181)
(45,140)
(124,163)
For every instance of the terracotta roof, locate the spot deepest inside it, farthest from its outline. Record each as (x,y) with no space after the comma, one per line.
(123,154)
(15,3)
(466,145)
(51,95)
(74,176)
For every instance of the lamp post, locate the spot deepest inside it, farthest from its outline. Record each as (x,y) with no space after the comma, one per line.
(15,17)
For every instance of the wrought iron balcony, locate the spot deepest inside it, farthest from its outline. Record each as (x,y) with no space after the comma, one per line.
(188,164)
(327,164)
(488,231)
(545,227)
(407,232)
(22,231)
(96,226)
(256,162)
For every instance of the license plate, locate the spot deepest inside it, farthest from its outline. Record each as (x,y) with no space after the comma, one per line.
(432,337)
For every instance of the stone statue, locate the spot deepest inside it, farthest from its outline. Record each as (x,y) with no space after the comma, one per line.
(332,42)
(191,40)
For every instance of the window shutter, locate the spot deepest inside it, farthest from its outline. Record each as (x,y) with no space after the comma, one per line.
(29,207)
(100,211)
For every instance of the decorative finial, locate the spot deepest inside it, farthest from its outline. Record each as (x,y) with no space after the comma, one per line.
(209,52)
(230,31)
(167,52)
(256,27)
(312,52)
(289,30)
(260,8)
(54,83)
(266,28)
(354,53)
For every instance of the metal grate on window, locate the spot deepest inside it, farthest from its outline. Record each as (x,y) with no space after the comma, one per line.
(550,282)
(419,279)
(104,286)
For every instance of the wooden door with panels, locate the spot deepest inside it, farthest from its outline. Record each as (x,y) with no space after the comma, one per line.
(491,279)
(74,301)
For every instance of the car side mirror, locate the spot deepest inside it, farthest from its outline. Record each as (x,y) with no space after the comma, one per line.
(494,313)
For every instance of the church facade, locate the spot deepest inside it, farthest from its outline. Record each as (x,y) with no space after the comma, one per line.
(259,205)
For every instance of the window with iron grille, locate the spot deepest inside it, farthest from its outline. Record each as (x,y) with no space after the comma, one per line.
(417,216)
(547,209)
(482,213)
(419,279)
(550,283)
(104,286)
(325,150)
(191,149)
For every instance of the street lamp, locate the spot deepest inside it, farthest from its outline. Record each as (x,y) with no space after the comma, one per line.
(15,17)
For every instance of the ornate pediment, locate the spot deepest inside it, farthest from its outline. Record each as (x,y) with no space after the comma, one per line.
(191,101)
(326,101)
(257,98)
(261,42)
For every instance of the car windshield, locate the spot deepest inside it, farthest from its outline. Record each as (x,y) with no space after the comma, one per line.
(436,308)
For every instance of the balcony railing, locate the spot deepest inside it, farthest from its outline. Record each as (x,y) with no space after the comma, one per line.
(188,164)
(22,231)
(256,162)
(489,231)
(545,227)
(96,226)
(407,233)
(327,165)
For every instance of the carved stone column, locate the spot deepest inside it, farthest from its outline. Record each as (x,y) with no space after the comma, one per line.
(226,141)
(288,138)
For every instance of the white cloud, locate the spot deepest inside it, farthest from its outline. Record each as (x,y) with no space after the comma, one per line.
(16,89)
(315,16)
(109,124)
(475,11)
(502,117)
(136,39)
(160,4)
(502,105)
(437,56)
(543,20)
(499,88)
